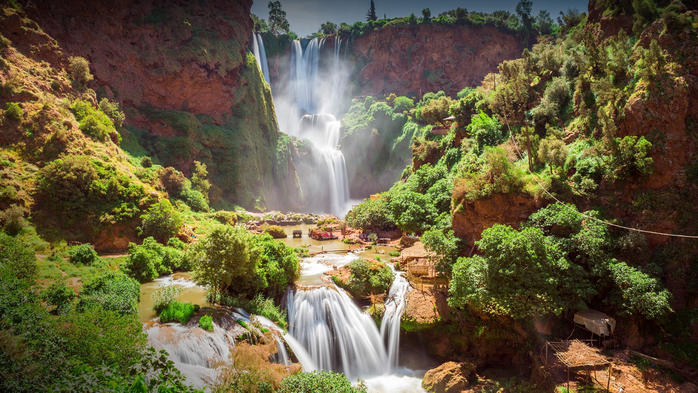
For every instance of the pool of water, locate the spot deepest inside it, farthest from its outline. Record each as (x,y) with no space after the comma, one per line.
(191,293)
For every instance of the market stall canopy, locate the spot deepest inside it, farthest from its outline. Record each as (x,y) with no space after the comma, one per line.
(596,322)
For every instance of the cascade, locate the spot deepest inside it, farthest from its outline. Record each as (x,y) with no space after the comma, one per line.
(335,333)
(390,324)
(260,54)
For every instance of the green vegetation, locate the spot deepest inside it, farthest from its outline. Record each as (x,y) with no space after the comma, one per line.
(79,69)
(274,231)
(110,291)
(206,323)
(93,122)
(163,296)
(151,260)
(160,221)
(369,278)
(319,382)
(177,312)
(259,305)
(83,254)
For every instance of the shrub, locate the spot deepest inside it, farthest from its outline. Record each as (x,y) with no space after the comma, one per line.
(17,258)
(206,323)
(14,111)
(79,69)
(486,130)
(59,295)
(177,312)
(369,277)
(92,122)
(173,181)
(631,158)
(110,291)
(552,151)
(412,211)
(319,381)
(275,231)
(146,162)
(194,199)
(161,221)
(83,254)
(402,104)
(492,174)
(151,260)
(12,220)
(111,109)
(436,110)
(163,296)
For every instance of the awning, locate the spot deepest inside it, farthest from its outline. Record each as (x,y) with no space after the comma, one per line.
(596,322)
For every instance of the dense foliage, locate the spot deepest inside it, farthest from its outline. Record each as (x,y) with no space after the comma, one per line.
(160,221)
(83,254)
(368,277)
(319,382)
(151,259)
(177,312)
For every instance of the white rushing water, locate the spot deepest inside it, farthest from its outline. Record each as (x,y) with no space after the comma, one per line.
(390,325)
(260,54)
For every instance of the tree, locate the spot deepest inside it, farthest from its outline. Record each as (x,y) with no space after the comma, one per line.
(544,23)
(523,10)
(224,256)
(198,179)
(437,110)
(328,28)
(12,219)
(161,221)
(83,254)
(552,151)
(485,130)
(412,211)
(371,14)
(519,274)
(260,25)
(426,14)
(568,20)
(79,69)
(277,19)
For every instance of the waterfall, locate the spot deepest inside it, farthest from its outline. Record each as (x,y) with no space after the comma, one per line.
(390,325)
(335,333)
(260,54)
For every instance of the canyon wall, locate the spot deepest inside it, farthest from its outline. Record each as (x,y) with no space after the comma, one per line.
(180,72)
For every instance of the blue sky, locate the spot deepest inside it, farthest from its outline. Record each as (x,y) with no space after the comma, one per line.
(305,16)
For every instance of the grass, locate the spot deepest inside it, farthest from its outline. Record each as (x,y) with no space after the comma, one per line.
(48,270)
(177,312)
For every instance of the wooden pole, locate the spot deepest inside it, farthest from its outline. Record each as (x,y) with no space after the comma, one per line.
(608,385)
(568,379)
(528,146)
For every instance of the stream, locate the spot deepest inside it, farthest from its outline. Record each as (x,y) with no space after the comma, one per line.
(327,330)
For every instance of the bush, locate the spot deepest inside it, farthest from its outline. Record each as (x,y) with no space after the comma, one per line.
(206,323)
(92,122)
(163,296)
(412,211)
(17,258)
(111,109)
(79,69)
(369,277)
(14,111)
(161,221)
(110,291)
(194,199)
(275,231)
(177,312)
(146,162)
(402,104)
(59,295)
(319,381)
(436,110)
(486,130)
(83,254)
(151,259)
(492,174)
(12,220)
(173,181)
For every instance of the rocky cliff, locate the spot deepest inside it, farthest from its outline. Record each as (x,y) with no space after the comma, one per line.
(180,71)
(420,59)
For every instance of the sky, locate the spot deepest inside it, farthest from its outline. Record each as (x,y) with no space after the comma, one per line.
(306,16)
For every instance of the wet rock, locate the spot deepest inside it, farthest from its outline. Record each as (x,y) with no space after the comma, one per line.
(449,377)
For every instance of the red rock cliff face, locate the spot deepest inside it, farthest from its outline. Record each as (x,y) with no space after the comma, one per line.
(422,59)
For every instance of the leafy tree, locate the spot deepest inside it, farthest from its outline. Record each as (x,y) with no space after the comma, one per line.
(637,292)
(225,256)
(402,104)
(412,20)
(17,258)
(371,214)
(260,25)
(371,14)
(485,130)
(568,20)
(369,277)
(426,14)
(146,162)
(173,181)
(319,381)
(199,181)
(277,19)
(79,69)
(519,274)
(466,106)
(412,211)
(328,28)
(437,110)
(631,158)
(552,151)
(160,221)
(93,122)
(544,23)
(83,254)
(523,10)
(445,247)
(111,109)
(278,268)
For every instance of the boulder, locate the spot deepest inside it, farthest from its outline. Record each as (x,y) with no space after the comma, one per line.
(450,377)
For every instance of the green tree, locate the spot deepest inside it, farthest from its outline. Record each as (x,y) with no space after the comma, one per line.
(79,69)
(278,24)
(523,10)
(437,110)
(199,180)
(160,221)
(371,14)
(552,151)
(413,212)
(111,109)
(631,158)
(222,258)
(426,14)
(12,219)
(485,130)
(328,28)
(637,292)
(260,25)
(519,274)
(371,214)
(445,248)
(369,277)
(544,23)
(83,254)
(568,20)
